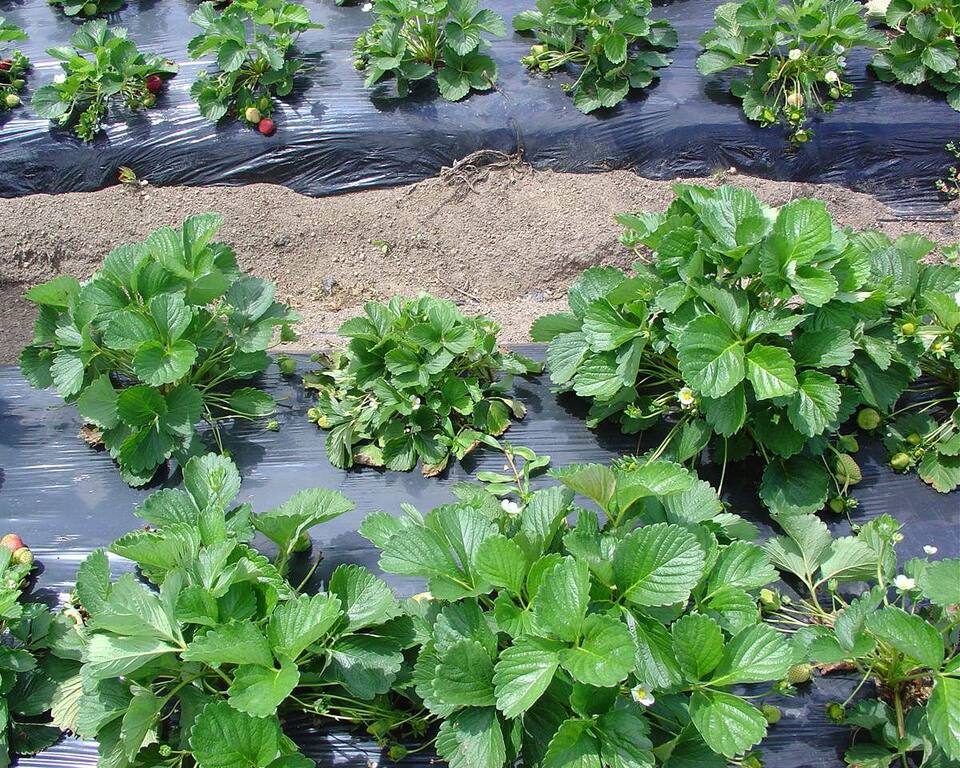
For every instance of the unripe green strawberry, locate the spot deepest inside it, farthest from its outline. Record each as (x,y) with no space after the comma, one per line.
(868,418)
(89,9)
(252,115)
(900,461)
(313,414)
(908,329)
(287,365)
(914,439)
(837,505)
(303,542)
(848,443)
(23,556)
(847,469)
(836,712)
(11,100)
(799,673)
(771,713)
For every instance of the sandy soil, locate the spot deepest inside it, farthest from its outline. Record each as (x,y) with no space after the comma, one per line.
(508,245)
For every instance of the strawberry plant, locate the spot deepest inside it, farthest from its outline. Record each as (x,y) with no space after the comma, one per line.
(192,668)
(13,68)
(897,631)
(615,46)
(114,72)
(254,45)
(949,185)
(616,643)
(154,343)
(923,46)
(418,382)
(88,7)
(794,55)
(31,672)
(922,431)
(754,330)
(411,40)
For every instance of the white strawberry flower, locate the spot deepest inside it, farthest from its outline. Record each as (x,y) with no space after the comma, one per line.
(367,7)
(510,507)
(929,549)
(877,7)
(956,297)
(831,77)
(904,583)
(795,53)
(60,77)
(686,397)
(642,696)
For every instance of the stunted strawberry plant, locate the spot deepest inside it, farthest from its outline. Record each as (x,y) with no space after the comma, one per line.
(922,430)
(417,383)
(155,342)
(201,661)
(752,330)
(896,630)
(13,67)
(112,73)
(616,642)
(88,7)
(254,44)
(34,662)
(794,55)
(612,47)
(922,49)
(410,40)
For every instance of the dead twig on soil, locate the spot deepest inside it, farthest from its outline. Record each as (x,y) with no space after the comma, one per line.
(440,281)
(467,172)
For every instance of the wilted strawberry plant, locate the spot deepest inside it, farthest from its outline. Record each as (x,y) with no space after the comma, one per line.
(34,663)
(411,40)
(154,342)
(949,184)
(254,45)
(617,642)
(752,330)
(13,68)
(417,383)
(922,48)
(114,72)
(922,431)
(897,632)
(794,54)
(613,46)
(88,7)
(203,658)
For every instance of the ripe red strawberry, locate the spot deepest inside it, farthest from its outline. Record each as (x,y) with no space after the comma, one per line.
(12,542)
(6,64)
(266,126)
(154,84)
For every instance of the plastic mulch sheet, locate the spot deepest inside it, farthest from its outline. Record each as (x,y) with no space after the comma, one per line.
(334,135)
(66,499)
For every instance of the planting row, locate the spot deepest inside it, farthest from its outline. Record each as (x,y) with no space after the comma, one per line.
(791,56)
(620,636)
(742,333)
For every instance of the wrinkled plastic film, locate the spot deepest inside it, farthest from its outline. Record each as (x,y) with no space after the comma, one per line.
(333,135)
